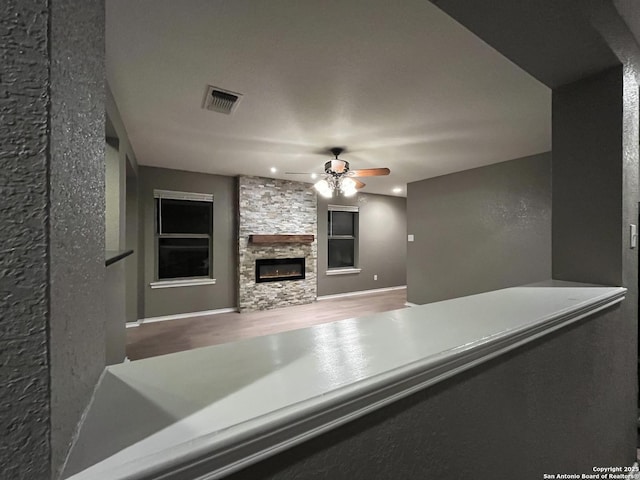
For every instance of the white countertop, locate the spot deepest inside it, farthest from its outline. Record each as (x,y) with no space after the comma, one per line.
(232,404)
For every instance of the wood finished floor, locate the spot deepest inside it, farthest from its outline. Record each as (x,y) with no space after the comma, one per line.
(159,338)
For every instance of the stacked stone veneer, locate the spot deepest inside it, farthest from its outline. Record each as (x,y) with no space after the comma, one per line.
(275,207)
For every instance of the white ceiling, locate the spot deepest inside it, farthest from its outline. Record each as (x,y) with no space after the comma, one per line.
(400,84)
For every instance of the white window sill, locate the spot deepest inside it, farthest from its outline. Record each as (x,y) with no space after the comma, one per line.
(343,271)
(183,283)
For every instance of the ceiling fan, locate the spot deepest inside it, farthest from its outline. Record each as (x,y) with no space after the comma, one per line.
(338,176)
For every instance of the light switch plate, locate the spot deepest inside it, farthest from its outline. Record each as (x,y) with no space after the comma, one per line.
(410,238)
(633,231)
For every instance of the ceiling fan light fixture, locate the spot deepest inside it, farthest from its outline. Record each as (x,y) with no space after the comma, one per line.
(348,187)
(339,178)
(324,188)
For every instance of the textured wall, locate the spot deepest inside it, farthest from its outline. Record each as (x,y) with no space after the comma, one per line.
(53,226)
(630,214)
(382,244)
(479,230)
(76,326)
(270,206)
(587,180)
(169,301)
(24,370)
(595,196)
(516,417)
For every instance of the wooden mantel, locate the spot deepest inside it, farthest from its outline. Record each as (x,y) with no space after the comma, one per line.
(281,238)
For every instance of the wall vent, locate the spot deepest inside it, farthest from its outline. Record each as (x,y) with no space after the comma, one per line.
(220,100)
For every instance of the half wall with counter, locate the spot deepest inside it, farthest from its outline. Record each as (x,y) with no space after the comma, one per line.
(506,384)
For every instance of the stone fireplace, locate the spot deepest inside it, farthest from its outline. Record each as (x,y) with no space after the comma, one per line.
(277,223)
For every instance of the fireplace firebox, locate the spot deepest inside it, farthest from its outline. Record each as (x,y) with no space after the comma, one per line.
(279,269)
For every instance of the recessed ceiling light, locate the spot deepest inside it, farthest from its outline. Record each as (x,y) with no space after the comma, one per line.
(397,190)
(314,175)
(274,169)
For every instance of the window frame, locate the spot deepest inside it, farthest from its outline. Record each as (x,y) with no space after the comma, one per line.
(355,237)
(158,196)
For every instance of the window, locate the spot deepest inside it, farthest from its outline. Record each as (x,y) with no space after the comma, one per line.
(184,230)
(342,233)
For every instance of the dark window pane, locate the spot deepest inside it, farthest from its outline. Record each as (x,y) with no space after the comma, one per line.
(157,200)
(183,257)
(185,216)
(342,223)
(341,253)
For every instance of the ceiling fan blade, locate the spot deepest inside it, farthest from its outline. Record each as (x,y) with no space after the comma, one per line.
(369,172)
(359,184)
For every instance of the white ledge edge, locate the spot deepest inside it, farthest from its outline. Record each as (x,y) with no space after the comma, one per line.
(180,316)
(322,298)
(343,271)
(222,453)
(183,283)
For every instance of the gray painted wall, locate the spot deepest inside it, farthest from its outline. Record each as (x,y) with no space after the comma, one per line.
(132,227)
(113,205)
(587,143)
(595,199)
(169,301)
(25,447)
(552,40)
(133,237)
(121,226)
(76,202)
(382,248)
(479,230)
(516,417)
(115,232)
(139,256)
(117,126)
(116,312)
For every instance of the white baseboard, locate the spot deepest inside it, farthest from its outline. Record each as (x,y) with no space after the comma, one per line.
(179,316)
(132,324)
(410,304)
(360,292)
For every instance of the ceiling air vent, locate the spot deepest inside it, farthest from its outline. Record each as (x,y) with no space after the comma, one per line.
(219,100)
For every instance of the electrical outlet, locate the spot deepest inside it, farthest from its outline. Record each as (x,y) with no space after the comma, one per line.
(375,277)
